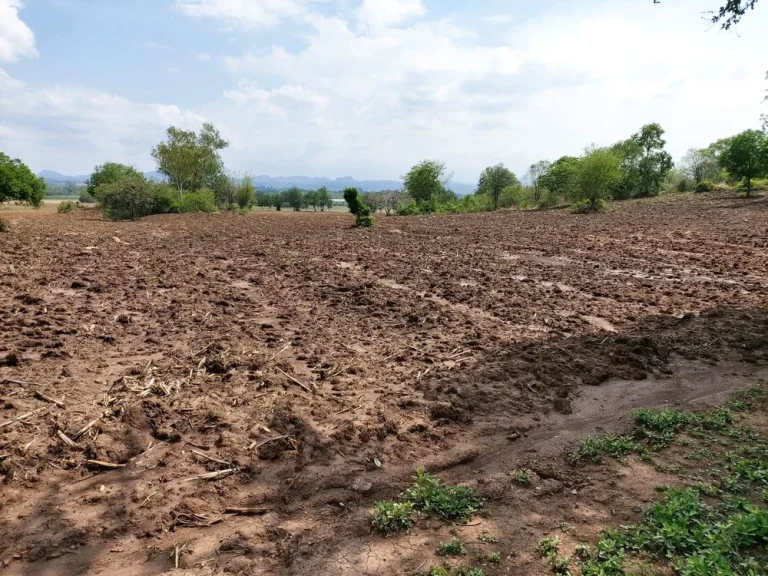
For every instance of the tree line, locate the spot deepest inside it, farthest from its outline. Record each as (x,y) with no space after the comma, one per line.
(638,167)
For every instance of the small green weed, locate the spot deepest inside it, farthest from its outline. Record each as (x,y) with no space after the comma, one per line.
(522,477)
(452,503)
(392,516)
(583,551)
(453,548)
(494,557)
(488,538)
(549,546)
(439,571)
(565,527)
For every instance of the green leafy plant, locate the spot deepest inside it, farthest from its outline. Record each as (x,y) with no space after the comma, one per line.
(439,571)
(522,477)
(392,516)
(494,557)
(452,503)
(548,546)
(453,548)
(487,538)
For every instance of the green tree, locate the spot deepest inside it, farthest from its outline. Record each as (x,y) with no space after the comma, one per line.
(191,161)
(323,197)
(278,200)
(18,182)
(311,199)
(560,177)
(597,174)
(746,157)
(357,207)
(654,162)
(110,173)
(494,180)
(427,184)
(294,197)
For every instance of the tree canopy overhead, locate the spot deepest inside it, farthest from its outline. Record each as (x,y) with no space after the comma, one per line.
(732,12)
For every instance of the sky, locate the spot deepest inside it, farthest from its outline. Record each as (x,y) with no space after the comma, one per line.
(368,88)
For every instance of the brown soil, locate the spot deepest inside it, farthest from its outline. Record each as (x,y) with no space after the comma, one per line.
(297,351)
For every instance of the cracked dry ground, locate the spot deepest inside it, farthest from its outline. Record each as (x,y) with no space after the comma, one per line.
(286,354)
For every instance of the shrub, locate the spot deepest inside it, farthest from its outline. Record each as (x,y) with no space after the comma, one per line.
(202,200)
(66,207)
(246,193)
(166,200)
(588,207)
(86,198)
(127,199)
(408,209)
(358,208)
(760,184)
(704,186)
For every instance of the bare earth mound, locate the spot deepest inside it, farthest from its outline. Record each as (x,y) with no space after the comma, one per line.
(231,394)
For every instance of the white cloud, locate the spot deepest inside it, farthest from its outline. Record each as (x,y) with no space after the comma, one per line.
(71,128)
(379,86)
(202,56)
(385,97)
(16,38)
(389,12)
(244,12)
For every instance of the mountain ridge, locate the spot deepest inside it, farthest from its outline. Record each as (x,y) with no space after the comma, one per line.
(282,182)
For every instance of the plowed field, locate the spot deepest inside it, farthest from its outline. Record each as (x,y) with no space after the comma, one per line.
(231,394)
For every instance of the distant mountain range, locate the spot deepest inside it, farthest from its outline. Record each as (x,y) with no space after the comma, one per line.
(282,182)
(56,178)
